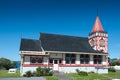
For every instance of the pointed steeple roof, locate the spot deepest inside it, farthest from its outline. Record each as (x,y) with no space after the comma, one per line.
(97,26)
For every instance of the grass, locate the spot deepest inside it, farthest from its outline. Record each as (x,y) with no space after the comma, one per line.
(51,78)
(5,74)
(92,76)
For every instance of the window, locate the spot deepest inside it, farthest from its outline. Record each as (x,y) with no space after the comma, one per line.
(55,61)
(60,61)
(36,59)
(102,42)
(73,58)
(51,61)
(84,59)
(33,60)
(97,59)
(70,58)
(39,60)
(92,43)
(67,58)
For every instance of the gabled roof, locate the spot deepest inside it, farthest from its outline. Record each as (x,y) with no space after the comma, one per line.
(30,45)
(97,26)
(54,42)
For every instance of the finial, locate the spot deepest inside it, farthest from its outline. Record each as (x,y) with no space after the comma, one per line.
(97,11)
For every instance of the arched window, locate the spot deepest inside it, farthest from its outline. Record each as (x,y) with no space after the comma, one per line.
(102,42)
(92,43)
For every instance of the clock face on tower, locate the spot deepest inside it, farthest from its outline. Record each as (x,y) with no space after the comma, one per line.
(102,42)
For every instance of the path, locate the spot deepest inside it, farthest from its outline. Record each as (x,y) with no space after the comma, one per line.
(61,76)
(24,78)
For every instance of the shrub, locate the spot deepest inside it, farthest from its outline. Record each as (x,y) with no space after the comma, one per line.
(111,70)
(28,74)
(50,73)
(39,71)
(91,72)
(43,72)
(34,73)
(81,73)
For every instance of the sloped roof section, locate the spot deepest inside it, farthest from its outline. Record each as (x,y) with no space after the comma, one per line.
(54,42)
(30,45)
(97,26)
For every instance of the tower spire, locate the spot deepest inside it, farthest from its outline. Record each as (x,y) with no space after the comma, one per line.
(97,26)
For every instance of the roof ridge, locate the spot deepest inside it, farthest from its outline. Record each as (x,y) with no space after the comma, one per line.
(29,39)
(63,35)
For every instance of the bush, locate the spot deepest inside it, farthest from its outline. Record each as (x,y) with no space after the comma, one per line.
(81,73)
(28,74)
(39,72)
(114,63)
(111,70)
(34,74)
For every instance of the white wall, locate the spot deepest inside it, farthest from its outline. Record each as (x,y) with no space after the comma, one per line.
(55,55)
(31,68)
(45,60)
(87,69)
(104,60)
(77,58)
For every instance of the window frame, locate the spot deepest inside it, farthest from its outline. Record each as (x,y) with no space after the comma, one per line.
(36,59)
(84,59)
(71,58)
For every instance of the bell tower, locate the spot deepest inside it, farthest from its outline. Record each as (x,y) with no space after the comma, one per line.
(98,38)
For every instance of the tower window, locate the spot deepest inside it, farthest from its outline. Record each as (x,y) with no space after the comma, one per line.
(102,42)
(92,43)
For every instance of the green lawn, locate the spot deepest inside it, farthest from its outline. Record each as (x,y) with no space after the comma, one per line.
(51,78)
(92,76)
(5,74)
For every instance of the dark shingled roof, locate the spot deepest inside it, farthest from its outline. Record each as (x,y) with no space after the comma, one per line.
(30,45)
(53,42)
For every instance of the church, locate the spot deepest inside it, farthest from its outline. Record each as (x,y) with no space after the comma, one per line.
(65,53)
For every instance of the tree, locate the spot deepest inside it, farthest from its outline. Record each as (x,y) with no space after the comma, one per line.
(6,63)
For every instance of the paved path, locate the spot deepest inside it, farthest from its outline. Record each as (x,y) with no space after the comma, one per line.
(24,78)
(61,76)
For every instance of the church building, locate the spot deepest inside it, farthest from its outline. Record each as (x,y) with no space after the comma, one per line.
(65,53)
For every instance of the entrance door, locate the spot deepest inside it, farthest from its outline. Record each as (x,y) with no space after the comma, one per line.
(55,65)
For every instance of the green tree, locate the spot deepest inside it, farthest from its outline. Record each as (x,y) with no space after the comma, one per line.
(6,63)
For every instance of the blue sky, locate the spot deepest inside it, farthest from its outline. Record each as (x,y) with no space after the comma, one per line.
(27,18)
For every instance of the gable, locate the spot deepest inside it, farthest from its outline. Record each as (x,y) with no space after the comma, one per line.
(30,45)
